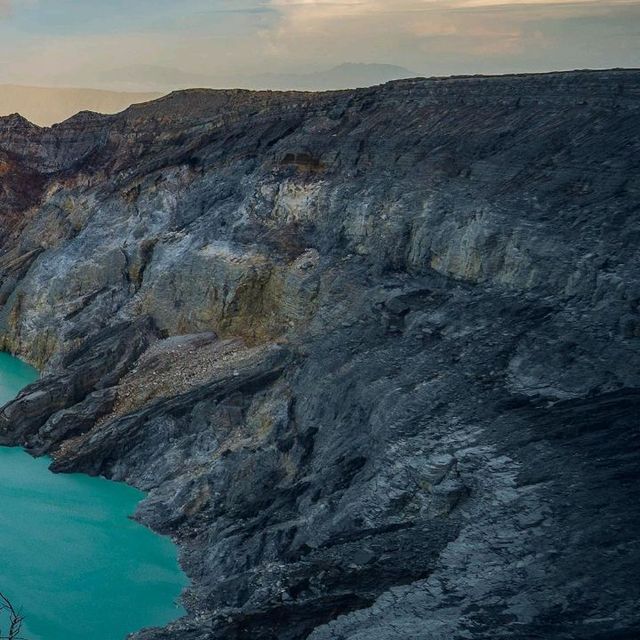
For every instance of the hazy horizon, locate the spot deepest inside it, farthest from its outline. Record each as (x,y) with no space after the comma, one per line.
(152,48)
(73,43)
(45,106)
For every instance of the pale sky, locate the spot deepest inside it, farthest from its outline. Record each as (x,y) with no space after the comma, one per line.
(77,42)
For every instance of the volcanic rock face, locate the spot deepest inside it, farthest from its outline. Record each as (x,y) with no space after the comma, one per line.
(373,354)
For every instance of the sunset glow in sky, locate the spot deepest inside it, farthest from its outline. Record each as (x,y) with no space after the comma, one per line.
(76,41)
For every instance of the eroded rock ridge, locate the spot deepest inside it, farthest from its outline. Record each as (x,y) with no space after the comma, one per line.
(374,354)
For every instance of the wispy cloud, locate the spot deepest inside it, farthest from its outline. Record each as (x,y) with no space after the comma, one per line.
(40,38)
(455,32)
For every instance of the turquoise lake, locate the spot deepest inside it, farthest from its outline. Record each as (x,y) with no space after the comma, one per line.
(71,559)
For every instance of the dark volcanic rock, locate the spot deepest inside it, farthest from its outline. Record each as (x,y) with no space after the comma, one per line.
(374,354)
(57,406)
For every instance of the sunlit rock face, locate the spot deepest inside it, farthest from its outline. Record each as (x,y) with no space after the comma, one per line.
(373,353)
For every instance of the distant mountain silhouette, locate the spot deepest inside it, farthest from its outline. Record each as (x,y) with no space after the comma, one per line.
(344,76)
(45,106)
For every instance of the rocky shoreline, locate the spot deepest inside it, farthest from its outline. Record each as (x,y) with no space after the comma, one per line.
(374,354)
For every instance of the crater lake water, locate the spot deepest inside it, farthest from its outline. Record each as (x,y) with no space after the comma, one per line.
(71,559)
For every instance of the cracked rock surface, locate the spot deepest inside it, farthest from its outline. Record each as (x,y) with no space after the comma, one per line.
(374,355)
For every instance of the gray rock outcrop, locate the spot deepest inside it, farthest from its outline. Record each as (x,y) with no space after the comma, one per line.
(374,354)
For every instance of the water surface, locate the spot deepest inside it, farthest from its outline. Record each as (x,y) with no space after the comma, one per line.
(70,557)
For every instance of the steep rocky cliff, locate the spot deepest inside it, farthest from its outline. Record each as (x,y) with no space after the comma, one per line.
(374,354)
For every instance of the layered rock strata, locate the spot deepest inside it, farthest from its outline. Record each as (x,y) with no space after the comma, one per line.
(374,354)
